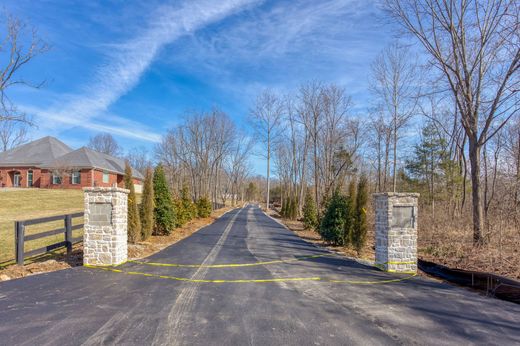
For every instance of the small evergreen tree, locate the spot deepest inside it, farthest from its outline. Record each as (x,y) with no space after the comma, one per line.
(180,218)
(134,221)
(333,222)
(293,208)
(147,206)
(187,204)
(360,226)
(203,207)
(310,214)
(164,213)
(283,211)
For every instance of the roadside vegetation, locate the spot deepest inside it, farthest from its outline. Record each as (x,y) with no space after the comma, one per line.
(443,120)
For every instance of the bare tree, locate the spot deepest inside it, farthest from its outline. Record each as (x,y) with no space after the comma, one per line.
(380,141)
(267,115)
(104,143)
(17,49)
(237,165)
(139,159)
(394,82)
(195,153)
(12,134)
(474,46)
(311,116)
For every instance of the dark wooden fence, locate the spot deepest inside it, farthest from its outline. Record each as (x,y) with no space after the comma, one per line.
(21,238)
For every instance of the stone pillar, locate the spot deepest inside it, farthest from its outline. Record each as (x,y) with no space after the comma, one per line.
(396,231)
(105,232)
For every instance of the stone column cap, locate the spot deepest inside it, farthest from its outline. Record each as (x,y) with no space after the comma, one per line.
(396,194)
(106,189)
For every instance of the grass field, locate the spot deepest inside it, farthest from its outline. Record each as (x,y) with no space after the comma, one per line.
(24,204)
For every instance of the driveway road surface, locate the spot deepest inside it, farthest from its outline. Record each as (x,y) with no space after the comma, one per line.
(88,306)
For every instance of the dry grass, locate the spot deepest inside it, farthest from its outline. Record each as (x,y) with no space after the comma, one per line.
(24,204)
(446,241)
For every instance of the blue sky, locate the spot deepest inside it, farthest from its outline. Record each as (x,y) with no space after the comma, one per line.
(131,68)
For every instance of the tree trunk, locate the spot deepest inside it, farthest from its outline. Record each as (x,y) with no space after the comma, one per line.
(268,171)
(478,217)
(395,153)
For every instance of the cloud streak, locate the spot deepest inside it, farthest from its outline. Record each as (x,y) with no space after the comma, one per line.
(128,61)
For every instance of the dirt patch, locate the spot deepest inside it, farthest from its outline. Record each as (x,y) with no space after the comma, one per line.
(58,260)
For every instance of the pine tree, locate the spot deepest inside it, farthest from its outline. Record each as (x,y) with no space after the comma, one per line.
(134,222)
(147,206)
(310,217)
(180,218)
(293,208)
(283,211)
(333,222)
(360,226)
(204,207)
(189,208)
(164,213)
(427,159)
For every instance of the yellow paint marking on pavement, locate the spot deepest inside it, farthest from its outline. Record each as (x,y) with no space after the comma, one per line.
(227,265)
(352,282)
(205,280)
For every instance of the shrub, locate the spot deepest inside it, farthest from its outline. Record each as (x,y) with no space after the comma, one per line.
(147,206)
(164,213)
(134,221)
(333,223)
(292,212)
(360,222)
(310,214)
(204,207)
(189,208)
(283,211)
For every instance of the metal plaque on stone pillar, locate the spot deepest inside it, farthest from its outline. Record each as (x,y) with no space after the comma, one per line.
(105,231)
(396,231)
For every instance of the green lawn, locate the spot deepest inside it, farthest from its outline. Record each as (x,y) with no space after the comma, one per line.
(24,204)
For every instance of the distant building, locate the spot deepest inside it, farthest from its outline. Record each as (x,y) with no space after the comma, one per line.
(49,163)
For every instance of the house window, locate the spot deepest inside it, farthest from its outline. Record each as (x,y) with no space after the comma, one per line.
(29,178)
(105,177)
(56,179)
(75,178)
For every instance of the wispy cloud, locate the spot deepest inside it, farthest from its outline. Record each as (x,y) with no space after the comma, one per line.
(128,61)
(283,43)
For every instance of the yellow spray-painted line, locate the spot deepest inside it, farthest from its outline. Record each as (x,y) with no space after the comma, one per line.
(352,282)
(226,265)
(355,282)
(205,280)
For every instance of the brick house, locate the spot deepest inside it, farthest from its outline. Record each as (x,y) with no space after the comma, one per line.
(49,163)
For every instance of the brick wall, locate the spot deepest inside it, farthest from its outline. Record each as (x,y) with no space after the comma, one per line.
(7,176)
(42,178)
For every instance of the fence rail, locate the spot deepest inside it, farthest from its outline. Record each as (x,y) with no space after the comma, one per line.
(21,238)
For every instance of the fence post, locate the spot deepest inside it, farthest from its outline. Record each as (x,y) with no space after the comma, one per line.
(19,235)
(68,233)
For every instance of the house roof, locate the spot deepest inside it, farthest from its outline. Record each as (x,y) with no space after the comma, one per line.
(88,158)
(49,152)
(34,153)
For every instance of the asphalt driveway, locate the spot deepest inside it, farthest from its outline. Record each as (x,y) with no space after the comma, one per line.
(246,280)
